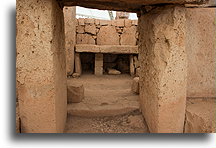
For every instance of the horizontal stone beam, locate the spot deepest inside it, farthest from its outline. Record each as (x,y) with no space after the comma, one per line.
(124,5)
(114,49)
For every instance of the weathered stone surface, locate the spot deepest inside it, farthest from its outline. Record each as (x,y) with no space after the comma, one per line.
(135,85)
(75,75)
(80,29)
(112,71)
(75,93)
(115,49)
(127,23)
(90,29)
(89,21)
(120,23)
(70,36)
(105,22)
(137,72)
(163,75)
(134,22)
(126,5)
(98,64)
(78,66)
(107,36)
(85,39)
(81,21)
(200,116)
(18,126)
(132,68)
(128,37)
(41,66)
(200,45)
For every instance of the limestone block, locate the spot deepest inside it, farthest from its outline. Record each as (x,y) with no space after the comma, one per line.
(78,66)
(132,68)
(97,22)
(80,29)
(98,64)
(119,30)
(41,66)
(107,36)
(112,71)
(136,62)
(135,85)
(85,39)
(128,37)
(18,126)
(200,45)
(127,23)
(105,22)
(70,37)
(200,115)
(137,72)
(75,75)
(163,65)
(89,21)
(90,29)
(120,23)
(75,93)
(81,21)
(134,22)
(113,23)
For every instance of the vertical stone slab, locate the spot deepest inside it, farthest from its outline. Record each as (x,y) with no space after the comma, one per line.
(70,37)
(41,68)
(200,45)
(163,76)
(132,70)
(78,66)
(98,64)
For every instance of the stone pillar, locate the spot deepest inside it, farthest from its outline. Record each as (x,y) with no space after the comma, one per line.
(78,66)
(41,68)
(70,37)
(98,64)
(163,76)
(132,70)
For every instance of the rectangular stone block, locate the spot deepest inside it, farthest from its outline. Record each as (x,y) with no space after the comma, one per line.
(200,45)
(84,39)
(135,85)
(132,68)
(90,29)
(163,68)
(75,93)
(120,23)
(127,23)
(98,64)
(81,21)
(78,66)
(105,22)
(89,21)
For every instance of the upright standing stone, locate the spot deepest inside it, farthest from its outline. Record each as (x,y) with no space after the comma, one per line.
(70,37)
(98,64)
(163,76)
(41,66)
(78,66)
(132,69)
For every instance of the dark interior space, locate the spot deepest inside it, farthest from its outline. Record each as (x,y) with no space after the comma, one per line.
(87,60)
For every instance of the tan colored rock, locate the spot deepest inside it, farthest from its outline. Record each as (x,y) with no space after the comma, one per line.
(41,66)
(119,30)
(89,21)
(81,21)
(128,37)
(113,23)
(200,116)
(98,64)
(80,29)
(127,23)
(136,121)
(137,72)
(107,36)
(75,93)
(135,85)
(112,71)
(120,23)
(75,75)
(90,29)
(105,22)
(132,68)
(97,22)
(134,22)
(70,37)
(85,39)
(78,66)
(163,75)
(136,61)
(200,44)
(18,125)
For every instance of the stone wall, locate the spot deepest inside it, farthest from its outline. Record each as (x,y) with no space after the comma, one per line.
(200,45)
(41,71)
(106,32)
